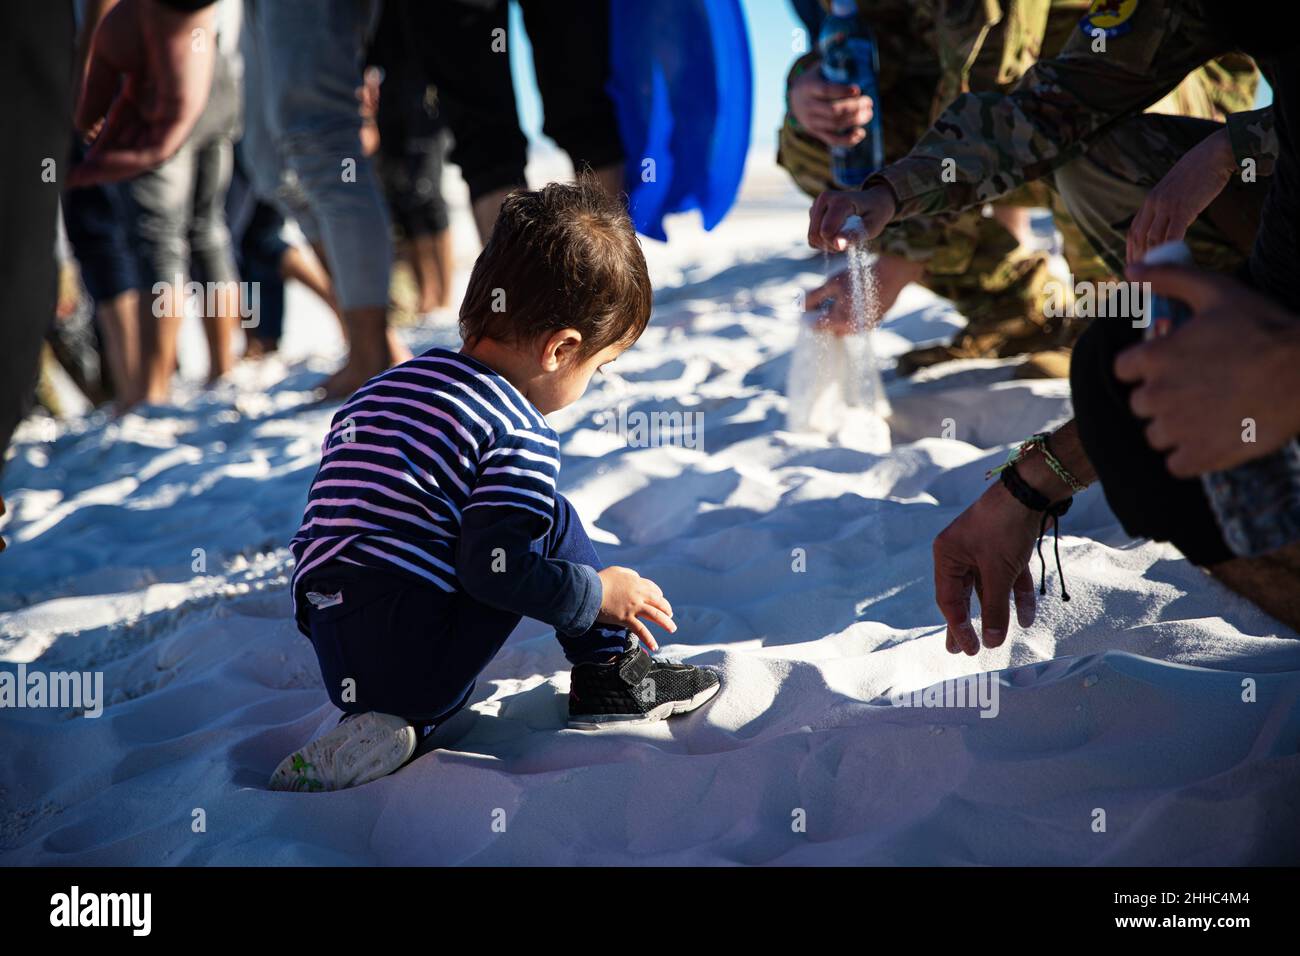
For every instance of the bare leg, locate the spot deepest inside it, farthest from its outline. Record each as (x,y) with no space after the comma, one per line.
(158,335)
(120,326)
(444,262)
(486,209)
(219,329)
(1271,582)
(373,347)
(298,265)
(430,259)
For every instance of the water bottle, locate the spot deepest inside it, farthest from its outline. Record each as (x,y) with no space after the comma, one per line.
(849,58)
(1257,504)
(1163,313)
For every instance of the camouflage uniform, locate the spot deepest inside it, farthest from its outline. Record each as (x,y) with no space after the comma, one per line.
(932,51)
(1093,100)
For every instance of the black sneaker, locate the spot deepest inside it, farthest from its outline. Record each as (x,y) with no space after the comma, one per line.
(636,688)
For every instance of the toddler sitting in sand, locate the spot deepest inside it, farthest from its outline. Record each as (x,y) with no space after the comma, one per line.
(433,524)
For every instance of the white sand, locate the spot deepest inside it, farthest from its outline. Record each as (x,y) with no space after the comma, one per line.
(1128,700)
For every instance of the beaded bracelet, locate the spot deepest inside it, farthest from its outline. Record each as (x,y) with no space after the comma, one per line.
(1039,441)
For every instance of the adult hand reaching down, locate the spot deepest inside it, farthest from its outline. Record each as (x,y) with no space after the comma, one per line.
(875,206)
(987,548)
(1184,193)
(1235,364)
(833,299)
(146,83)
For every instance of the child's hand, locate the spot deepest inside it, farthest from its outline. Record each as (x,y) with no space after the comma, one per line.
(628,597)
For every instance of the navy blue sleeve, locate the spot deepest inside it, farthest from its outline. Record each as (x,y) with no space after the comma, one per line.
(496,565)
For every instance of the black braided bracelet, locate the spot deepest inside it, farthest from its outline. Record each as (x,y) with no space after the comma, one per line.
(1030,497)
(1035,500)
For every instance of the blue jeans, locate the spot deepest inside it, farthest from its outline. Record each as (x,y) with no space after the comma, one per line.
(303,63)
(394,644)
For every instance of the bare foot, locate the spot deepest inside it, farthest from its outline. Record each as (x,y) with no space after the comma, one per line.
(363,365)
(158,396)
(373,347)
(256,348)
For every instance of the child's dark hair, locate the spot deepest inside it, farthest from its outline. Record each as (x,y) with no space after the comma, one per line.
(563,256)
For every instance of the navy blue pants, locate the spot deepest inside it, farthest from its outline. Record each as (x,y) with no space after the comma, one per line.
(397,645)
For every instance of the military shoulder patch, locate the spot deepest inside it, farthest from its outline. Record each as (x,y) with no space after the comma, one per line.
(1112,17)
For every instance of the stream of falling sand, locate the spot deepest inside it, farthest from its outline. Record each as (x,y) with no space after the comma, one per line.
(863,294)
(826,363)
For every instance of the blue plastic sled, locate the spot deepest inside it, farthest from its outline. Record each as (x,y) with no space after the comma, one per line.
(682,85)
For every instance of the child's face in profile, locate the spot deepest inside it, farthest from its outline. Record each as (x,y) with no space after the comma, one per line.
(566,384)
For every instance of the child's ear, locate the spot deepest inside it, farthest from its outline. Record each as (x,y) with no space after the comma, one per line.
(560,348)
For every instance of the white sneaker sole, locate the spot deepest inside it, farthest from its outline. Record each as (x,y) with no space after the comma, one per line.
(359,750)
(665,710)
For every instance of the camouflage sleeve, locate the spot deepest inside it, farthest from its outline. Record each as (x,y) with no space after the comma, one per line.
(1253,138)
(960,29)
(1114,66)
(1011,30)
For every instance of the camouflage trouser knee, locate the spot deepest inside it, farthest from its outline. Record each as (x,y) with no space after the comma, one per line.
(972,260)
(1103,190)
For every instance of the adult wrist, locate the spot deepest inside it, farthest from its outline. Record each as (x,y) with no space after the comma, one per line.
(1036,473)
(882,193)
(1040,473)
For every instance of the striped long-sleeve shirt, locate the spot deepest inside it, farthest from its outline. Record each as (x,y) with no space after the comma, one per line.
(432,447)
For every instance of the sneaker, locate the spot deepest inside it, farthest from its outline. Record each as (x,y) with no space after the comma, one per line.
(360,749)
(636,688)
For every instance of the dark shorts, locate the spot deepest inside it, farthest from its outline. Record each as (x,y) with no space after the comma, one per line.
(94,217)
(412,182)
(570,42)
